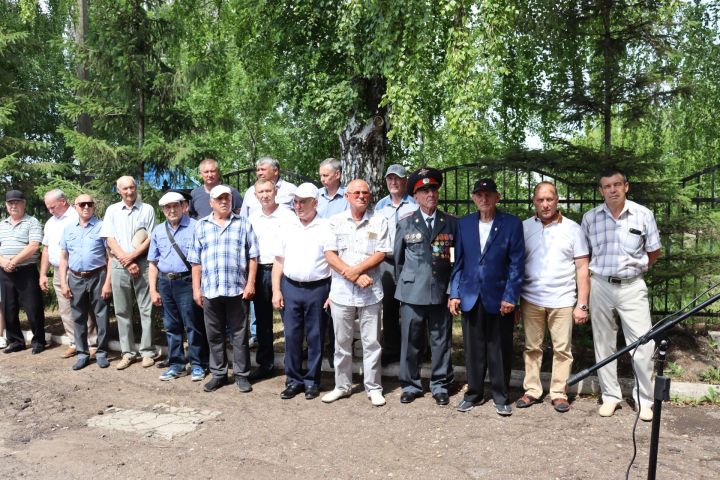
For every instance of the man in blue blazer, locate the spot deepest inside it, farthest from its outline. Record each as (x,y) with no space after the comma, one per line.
(485,287)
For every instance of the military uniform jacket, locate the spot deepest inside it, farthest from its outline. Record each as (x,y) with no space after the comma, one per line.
(422,258)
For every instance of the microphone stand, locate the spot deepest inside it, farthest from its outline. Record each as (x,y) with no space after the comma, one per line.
(662,383)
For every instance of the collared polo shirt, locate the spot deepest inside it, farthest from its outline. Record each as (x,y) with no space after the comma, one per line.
(619,246)
(162,251)
(86,249)
(122,222)
(268,229)
(327,207)
(301,247)
(285,195)
(223,251)
(53,232)
(550,253)
(354,243)
(14,238)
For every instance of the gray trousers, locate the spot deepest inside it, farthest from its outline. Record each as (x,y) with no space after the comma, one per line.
(66,314)
(344,326)
(86,298)
(221,312)
(123,288)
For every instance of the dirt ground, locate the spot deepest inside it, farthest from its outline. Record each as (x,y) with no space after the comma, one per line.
(44,432)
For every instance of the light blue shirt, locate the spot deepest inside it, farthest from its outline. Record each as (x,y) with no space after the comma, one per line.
(386,202)
(85,247)
(327,207)
(162,251)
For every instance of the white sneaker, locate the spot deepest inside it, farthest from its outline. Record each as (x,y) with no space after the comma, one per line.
(607,409)
(334,394)
(3,342)
(646,413)
(376,397)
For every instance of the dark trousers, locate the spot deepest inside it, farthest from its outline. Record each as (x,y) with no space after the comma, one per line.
(413,319)
(222,313)
(391,313)
(303,319)
(17,288)
(87,299)
(265,355)
(182,315)
(488,345)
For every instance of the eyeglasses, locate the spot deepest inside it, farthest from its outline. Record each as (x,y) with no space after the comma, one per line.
(359,193)
(85,204)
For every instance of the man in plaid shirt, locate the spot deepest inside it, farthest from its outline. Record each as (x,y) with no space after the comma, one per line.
(624,242)
(224,264)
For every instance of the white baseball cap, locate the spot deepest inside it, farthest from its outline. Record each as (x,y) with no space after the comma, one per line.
(171,197)
(218,190)
(307,190)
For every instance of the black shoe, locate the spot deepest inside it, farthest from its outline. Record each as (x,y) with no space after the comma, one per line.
(465,406)
(441,398)
(38,349)
(81,363)
(215,383)
(409,397)
(503,410)
(260,374)
(163,364)
(243,384)
(312,392)
(386,360)
(14,347)
(291,391)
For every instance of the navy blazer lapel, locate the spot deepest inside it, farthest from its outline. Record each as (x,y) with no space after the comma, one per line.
(494,231)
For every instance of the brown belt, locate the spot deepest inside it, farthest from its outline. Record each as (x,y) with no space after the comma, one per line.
(88,274)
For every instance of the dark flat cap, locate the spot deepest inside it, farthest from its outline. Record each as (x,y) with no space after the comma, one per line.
(423,178)
(485,185)
(12,195)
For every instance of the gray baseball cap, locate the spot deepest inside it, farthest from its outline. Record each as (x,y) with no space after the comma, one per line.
(397,169)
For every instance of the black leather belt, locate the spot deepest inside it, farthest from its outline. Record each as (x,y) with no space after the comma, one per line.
(175,275)
(314,283)
(88,274)
(265,266)
(619,281)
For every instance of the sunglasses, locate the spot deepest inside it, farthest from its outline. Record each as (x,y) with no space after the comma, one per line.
(85,204)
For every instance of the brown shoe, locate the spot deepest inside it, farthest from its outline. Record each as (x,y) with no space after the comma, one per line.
(70,352)
(526,401)
(560,405)
(125,363)
(147,362)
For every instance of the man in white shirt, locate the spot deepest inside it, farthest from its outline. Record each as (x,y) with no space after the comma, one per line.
(61,216)
(267,224)
(268,168)
(127,227)
(624,243)
(556,252)
(301,284)
(354,250)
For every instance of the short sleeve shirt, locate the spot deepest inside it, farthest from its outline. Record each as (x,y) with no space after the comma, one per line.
(393,213)
(354,243)
(619,246)
(302,248)
(223,251)
(327,207)
(14,238)
(285,194)
(200,202)
(162,251)
(85,247)
(122,222)
(53,232)
(268,229)
(550,253)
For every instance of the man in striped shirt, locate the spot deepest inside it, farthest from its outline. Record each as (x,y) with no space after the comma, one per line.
(20,237)
(624,242)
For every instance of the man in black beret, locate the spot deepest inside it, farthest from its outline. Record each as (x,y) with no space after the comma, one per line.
(424,245)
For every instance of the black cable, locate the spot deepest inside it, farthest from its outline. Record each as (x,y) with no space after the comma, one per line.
(637,414)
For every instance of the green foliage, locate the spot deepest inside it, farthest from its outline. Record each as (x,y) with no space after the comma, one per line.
(711,375)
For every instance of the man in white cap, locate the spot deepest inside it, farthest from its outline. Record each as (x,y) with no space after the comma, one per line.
(126,227)
(170,282)
(209,170)
(301,284)
(61,215)
(398,204)
(224,256)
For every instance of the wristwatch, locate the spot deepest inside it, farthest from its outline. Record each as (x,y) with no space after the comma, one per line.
(582,306)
